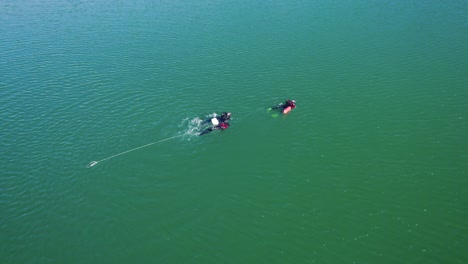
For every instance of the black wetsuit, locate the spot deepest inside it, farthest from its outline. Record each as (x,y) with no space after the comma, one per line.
(224,117)
(285,105)
(223,123)
(221,126)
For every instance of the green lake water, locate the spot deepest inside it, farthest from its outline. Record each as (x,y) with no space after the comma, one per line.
(370,167)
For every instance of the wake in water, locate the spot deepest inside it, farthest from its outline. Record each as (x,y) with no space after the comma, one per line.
(193,128)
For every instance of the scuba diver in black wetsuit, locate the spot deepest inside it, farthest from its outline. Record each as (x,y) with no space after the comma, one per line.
(220,126)
(224,117)
(282,106)
(219,123)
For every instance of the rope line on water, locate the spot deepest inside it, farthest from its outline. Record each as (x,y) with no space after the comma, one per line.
(93,163)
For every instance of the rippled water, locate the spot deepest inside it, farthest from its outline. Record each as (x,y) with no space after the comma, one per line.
(369,168)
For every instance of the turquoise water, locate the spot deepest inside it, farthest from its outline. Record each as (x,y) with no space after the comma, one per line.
(371,167)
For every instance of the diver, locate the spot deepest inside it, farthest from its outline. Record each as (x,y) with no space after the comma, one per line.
(216,126)
(224,117)
(284,106)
